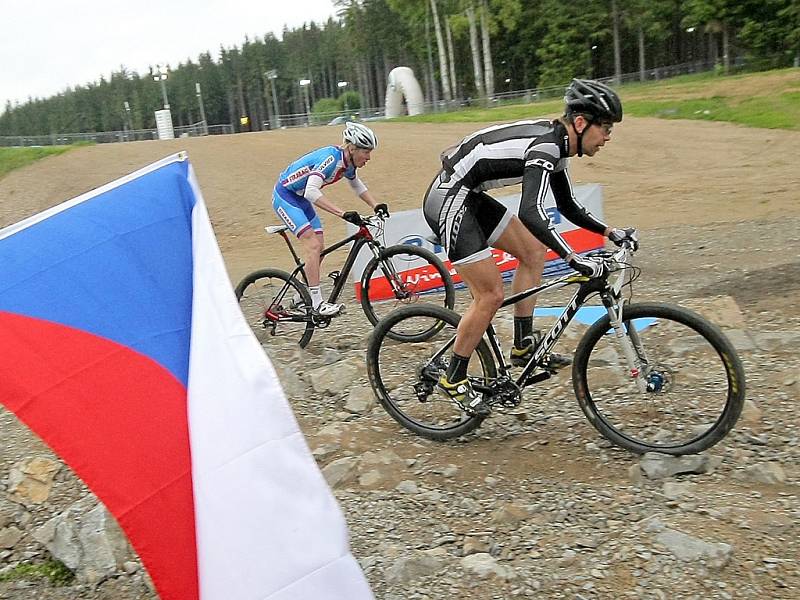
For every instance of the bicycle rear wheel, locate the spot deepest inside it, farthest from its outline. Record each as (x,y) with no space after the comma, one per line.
(409,273)
(404,373)
(277,307)
(695,384)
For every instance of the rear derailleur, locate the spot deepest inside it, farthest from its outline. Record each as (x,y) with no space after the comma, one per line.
(428,376)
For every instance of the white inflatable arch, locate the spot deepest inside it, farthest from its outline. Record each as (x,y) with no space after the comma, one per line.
(403,84)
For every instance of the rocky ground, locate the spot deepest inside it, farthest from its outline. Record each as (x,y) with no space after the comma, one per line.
(535,503)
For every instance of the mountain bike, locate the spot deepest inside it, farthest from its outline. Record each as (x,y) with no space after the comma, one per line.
(279,302)
(649,376)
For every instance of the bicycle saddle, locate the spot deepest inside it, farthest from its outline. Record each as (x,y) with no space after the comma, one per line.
(275,228)
(433,239)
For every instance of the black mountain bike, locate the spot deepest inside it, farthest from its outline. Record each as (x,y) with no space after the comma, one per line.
(279,302)
(648,376)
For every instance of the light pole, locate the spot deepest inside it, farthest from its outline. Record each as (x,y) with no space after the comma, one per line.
(272,75)
(202,109)
(304,83)
(342,85)
(690,30)
(128,114)
(161,75)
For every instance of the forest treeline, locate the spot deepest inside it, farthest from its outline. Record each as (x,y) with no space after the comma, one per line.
(457,49)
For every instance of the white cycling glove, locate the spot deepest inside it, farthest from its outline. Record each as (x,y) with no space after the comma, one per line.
(587,266)
(630,234)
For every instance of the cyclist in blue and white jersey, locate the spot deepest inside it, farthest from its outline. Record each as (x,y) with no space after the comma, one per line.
(469,221)
(298,192)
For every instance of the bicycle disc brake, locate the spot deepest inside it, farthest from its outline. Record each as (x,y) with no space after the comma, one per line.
(659,380)
(400,289)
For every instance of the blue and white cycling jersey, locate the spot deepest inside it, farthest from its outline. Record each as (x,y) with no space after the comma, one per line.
(298,186)
(327,162)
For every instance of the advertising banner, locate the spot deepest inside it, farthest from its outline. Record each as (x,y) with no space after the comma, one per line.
(409,227)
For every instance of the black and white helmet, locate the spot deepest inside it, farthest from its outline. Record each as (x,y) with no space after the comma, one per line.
(360,135)
(590,97)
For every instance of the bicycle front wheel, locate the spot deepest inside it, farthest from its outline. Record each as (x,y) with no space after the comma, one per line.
(404,373)
(694,384)
(409,273)
(277,307)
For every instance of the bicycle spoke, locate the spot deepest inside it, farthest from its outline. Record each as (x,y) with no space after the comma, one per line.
(404,374)
(404,276)
(275,311)
(687,394)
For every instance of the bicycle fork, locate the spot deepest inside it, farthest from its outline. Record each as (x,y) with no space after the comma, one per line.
(631,346)
(391,274)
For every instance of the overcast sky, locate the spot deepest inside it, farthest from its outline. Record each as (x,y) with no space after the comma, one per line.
(49,45)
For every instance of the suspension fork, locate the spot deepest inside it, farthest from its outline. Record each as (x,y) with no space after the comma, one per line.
(388,270)
(629,341)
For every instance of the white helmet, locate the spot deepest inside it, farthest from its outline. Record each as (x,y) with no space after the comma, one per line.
(360,135)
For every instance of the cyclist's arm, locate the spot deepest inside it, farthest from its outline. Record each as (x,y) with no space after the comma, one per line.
(569,206)
(362,192)
(314,195)
(535,183)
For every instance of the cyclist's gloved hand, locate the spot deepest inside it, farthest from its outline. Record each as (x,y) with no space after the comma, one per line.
(353,217)
(630,234)
(587,266)
(382,210)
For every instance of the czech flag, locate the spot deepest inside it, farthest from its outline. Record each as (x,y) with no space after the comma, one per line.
(122,346)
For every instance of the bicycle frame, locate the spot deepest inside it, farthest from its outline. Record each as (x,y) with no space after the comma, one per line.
(362,237)
(609,293)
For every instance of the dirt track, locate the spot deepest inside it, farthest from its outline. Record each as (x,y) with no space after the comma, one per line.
(719,213)
(655,174)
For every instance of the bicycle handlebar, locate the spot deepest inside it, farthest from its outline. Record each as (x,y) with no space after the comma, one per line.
(372,220)
(619,258)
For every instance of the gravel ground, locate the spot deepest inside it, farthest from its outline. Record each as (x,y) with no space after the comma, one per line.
(536,503)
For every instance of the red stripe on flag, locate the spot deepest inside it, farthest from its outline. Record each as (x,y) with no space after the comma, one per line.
(118,419)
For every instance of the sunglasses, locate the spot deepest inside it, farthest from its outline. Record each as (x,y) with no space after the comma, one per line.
(606,127)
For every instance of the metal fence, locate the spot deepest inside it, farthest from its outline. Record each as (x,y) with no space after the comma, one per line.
(379,112)
(509,96)
(107,137)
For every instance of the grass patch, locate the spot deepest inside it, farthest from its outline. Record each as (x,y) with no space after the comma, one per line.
(54,571)
(510,112)
(14,158)
(778,111)
(769,99)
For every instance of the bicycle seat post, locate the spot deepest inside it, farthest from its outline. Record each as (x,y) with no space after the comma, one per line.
(296,257)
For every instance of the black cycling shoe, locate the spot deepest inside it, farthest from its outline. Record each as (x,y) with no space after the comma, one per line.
(552,361)
(464,397)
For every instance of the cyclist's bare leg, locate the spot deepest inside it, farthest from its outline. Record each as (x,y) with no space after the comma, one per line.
(520,242)
(313,243)
(486,286)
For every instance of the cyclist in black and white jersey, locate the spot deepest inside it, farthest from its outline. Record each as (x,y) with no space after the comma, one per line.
(469,221)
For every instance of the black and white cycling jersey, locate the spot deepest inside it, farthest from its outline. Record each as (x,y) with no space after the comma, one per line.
(534,153)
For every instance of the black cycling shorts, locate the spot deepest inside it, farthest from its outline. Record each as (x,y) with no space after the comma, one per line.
(467,222)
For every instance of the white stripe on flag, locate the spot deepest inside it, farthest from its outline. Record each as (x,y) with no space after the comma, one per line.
(268,526)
